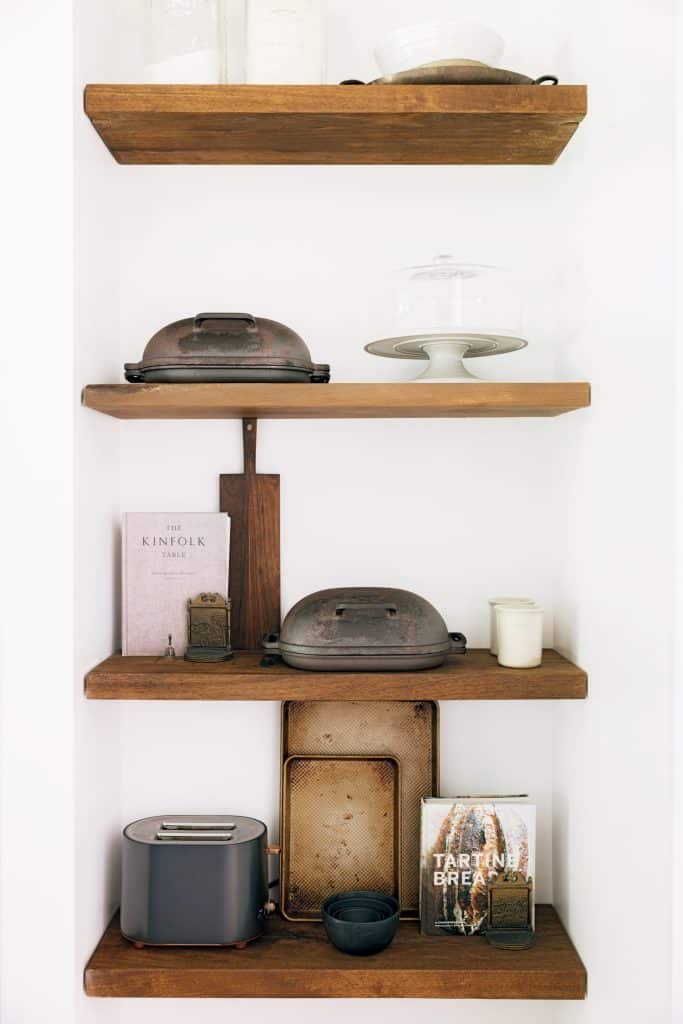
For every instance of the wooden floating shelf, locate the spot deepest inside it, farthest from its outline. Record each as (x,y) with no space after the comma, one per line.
(333,124)
(295,960)
(334,401)
(474,676)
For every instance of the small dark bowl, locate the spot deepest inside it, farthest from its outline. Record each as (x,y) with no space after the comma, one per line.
(384,905)
(361,923)
(361,915)
(341,907)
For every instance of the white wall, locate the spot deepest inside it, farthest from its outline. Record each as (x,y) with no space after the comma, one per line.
(612,768)
(677,883)
(36,515)
(97,504)
(573,512)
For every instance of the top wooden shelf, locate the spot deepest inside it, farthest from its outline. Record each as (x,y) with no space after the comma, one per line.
(334,401)
(336,124)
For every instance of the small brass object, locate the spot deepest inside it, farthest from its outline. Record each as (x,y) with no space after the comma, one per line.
(170,649)
(511,911)
(208,629)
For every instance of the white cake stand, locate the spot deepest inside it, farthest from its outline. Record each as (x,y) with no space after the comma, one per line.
(445,353)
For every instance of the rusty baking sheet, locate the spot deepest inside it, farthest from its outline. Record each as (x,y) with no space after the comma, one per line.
(406,730)
(340,825)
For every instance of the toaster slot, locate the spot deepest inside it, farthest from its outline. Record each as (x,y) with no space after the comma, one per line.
(198,826)
(193,836)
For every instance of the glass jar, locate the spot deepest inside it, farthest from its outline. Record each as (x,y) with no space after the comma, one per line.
(185,42)
(285,42)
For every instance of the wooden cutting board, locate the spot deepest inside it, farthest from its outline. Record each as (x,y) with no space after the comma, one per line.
(252,500)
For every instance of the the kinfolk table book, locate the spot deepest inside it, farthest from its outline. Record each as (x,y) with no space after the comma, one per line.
(168,560)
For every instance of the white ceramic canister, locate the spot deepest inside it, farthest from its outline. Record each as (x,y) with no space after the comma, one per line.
(512,602)
(285,42)
(520,635)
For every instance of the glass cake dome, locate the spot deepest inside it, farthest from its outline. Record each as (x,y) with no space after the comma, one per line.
(447,311)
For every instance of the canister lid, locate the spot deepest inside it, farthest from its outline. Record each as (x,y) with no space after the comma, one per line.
(195,830)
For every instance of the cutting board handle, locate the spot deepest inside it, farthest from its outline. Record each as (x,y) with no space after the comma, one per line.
(249,445)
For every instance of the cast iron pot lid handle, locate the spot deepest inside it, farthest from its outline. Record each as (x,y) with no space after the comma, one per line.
(390,609)
(201,319)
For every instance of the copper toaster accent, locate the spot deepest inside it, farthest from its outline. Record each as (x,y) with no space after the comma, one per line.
(406,730)
(339,830)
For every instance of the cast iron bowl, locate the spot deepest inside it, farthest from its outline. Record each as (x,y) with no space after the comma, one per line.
(360,923)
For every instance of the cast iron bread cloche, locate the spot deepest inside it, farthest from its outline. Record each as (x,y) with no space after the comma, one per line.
(226,348)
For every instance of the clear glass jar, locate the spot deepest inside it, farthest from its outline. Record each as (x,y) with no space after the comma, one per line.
(185,42)
(285,42)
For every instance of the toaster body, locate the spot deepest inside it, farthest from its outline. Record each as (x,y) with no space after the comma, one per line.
(193,880)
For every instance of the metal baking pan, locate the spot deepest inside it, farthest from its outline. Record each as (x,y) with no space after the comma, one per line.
(339,830)
(406,730)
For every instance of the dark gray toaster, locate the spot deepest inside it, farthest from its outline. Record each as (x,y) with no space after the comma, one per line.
(193,880)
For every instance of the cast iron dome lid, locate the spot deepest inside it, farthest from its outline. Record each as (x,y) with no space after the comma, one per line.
(237,346)
(347,620)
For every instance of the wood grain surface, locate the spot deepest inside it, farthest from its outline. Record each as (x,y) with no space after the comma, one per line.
(473,676)
(252,500)
(330,124)
(334,401)
(295,960)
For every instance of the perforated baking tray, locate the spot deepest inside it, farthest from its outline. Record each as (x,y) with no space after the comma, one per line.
(340,823)
(406,730)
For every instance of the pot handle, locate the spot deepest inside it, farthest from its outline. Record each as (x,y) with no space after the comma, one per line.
(133,373)
(390,609)
(321,373)
(271,642)
(458,643)
(201,318)
(546,79)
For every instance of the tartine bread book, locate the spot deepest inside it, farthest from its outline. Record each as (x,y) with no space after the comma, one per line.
(465,842)
(167,560)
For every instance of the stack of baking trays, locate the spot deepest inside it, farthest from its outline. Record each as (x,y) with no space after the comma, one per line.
(353,776)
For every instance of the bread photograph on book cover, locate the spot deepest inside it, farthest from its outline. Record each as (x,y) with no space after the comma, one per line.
(465,843)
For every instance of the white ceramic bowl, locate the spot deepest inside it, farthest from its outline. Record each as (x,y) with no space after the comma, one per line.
(434,41)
